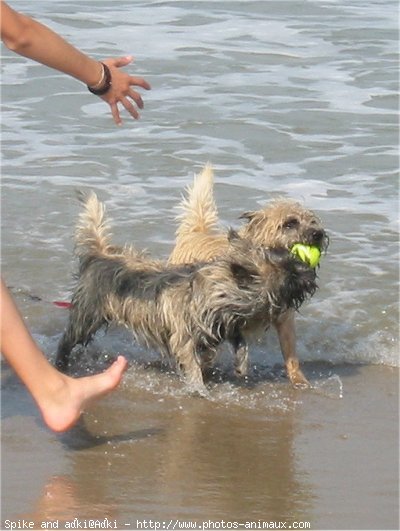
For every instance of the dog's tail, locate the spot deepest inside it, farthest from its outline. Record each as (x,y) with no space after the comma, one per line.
(92,234)
(198,208)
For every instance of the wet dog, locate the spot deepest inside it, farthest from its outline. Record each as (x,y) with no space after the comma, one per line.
(184,311)
(282,223)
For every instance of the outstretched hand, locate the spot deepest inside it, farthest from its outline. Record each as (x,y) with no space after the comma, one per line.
(121,90)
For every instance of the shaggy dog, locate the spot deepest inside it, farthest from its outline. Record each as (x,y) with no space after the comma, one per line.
(184,311)
(281,224)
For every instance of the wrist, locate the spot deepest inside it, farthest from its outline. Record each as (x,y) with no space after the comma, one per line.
(103,85)
(93,72)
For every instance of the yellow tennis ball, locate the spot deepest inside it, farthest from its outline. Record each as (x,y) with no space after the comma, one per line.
(310,254)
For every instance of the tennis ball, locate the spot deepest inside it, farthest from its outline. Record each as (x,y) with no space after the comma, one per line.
(307,253)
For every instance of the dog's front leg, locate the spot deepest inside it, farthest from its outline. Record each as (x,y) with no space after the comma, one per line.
(241,352)
(285,326)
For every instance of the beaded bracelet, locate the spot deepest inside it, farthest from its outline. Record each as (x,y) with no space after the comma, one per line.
(105,82)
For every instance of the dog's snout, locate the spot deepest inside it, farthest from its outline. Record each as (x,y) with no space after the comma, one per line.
(317,236)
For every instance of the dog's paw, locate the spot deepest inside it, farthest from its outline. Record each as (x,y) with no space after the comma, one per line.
(302,385)
(241,372)
(199,391)
(299,381)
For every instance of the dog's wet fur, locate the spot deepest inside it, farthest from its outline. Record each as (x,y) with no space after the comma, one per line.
(185,311)
(280,224)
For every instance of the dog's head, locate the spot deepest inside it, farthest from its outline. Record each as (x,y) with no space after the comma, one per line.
(283,223)
(272,270)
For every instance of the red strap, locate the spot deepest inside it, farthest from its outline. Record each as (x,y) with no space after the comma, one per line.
(62,304)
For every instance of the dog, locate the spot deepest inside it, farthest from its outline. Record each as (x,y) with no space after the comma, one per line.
(184,311)
(282,223)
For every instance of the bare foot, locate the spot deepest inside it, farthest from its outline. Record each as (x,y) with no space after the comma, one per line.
(62,405)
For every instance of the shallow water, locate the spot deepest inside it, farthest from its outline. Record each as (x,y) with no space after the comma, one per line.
(284,98)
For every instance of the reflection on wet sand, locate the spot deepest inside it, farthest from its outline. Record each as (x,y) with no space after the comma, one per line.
(264,453)
(192,459)
(61,502)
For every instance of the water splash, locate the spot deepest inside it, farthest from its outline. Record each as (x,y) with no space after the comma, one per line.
(332,387)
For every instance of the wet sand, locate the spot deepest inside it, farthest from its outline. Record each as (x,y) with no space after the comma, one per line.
(261,452)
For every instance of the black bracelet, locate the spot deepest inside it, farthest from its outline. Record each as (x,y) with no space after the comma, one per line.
(106,84)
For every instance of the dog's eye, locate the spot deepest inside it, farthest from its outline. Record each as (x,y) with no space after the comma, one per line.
(291,223)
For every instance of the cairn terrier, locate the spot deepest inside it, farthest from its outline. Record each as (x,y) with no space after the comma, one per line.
(281,224)
(184,311)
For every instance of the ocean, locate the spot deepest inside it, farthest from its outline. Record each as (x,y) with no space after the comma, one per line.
(285,98)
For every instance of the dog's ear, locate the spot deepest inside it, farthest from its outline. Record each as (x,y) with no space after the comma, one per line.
(238,245)
(255,221)
(247,215)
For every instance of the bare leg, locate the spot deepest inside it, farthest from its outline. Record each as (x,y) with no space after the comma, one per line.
(61,399)
(287,337)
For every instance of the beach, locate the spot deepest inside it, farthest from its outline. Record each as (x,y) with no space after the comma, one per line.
(267,454)
(285,99)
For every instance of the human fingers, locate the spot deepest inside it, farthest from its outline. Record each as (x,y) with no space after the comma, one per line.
(139,82)
(130,108)
(136,97)
(115,113)
(124,61)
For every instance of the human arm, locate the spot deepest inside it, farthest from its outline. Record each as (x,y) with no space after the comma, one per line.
(34,40)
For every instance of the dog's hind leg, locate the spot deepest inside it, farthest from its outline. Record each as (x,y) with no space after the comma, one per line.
(241,352)
(188,364)
(79,331)
(63,352)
